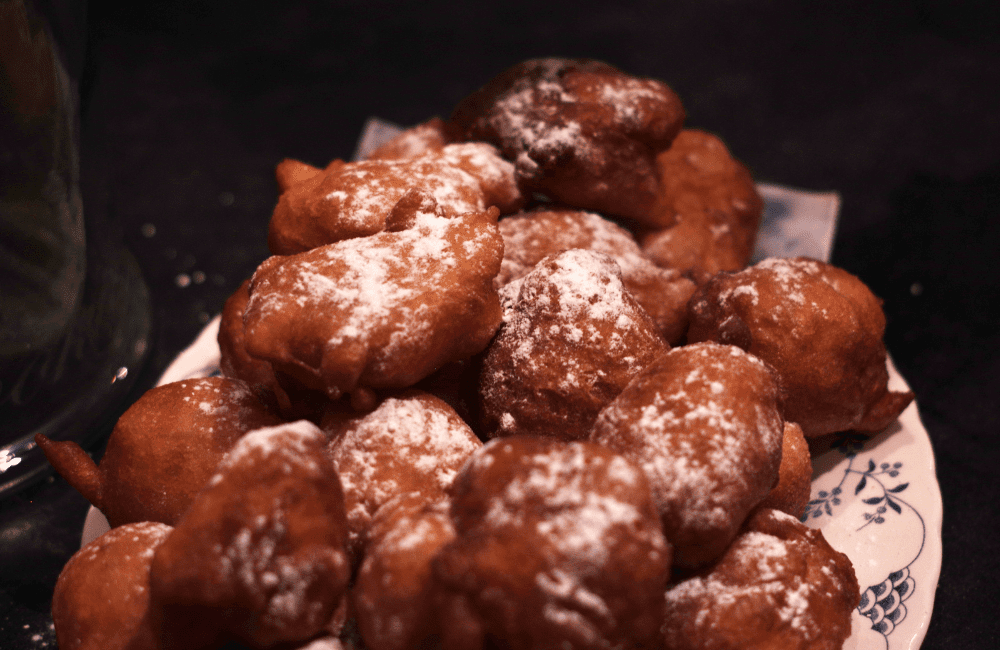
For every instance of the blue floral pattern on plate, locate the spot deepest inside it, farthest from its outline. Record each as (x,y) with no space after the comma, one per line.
(877,500)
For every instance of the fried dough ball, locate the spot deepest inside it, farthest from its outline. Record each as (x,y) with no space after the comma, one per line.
(780,586)
(708,212)
(290,172)
(791,494)
(558,546)
(382,311)
(703,421)
(580,131)
(234,361)
(262,548)
(414,442)
(531,236)
(102,597)
(282,395)
(819,327)
(354,199)
(163,449)
(394,595)
(432,135)
(574,339)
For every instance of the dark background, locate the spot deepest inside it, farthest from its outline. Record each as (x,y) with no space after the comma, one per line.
(188,106)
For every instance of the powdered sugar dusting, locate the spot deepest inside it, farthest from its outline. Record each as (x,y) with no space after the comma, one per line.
(356,199)
(255,558)
(122,552)
(529,237)
(570,604)
(483,162)
(583,293)
(521,120)
(221,402)
(790,275)
(627,96)
(749,290)
(580,513)
(294,442)
(147,533)
(788,283)
(366,191)
(695,435)
(373,298)
(577,518)
(263,526)
(758,568)
(406,444)
(574,335)
(694,471)
(425,527)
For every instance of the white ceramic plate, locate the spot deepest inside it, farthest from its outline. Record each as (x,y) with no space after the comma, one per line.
(877,499)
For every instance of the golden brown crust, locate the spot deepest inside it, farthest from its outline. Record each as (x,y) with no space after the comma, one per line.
(708,211)
(580,131)
(394,595)
(704,424)
(791,494)
(318,317)
(393,273)
(279,393)
(233,358)
(557,544)
(531,236)
(411,443)
(780,586)
(819,327)
(354,199)
(572,341)
(262,550)
(101,599)
(148,472)
(75,465)
(290,172)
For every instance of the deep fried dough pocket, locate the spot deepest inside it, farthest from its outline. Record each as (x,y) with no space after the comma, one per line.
(573,339)
(708,212)
(819,327)
(704,423)
(580,131)
(780,586)
(262,550)
(531,236)
(353,199)
(410,443)
(557,545)
(163,449)
(382,311)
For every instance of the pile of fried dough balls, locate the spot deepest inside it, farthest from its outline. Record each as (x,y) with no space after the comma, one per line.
(508,383)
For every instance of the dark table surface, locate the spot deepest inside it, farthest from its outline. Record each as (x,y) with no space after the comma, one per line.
(188,106)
